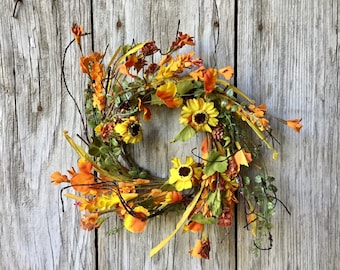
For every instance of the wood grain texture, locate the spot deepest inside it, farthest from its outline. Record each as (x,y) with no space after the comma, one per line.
(287,55)
(34,110)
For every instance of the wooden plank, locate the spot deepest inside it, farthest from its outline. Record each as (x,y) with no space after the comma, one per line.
(34,110)
(157,20)
(288,57)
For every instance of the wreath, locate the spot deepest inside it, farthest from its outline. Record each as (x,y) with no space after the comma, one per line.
(207,184)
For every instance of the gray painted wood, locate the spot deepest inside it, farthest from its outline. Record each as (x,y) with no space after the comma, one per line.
(34,110)
(287,56)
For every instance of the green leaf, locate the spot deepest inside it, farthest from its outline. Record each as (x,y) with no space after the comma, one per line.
(202,219)
(272,188)
(184,86)
(133,173)
(227,140)
(97,142)
(116,151)
(246,181)
(199,92)
(185,134)
(143,174)
(114,142)
(234,108)
(258,179)
(93,150)
(215,203)
(230,92)
(155,100)
(168,187)
(104,149)
(216,163)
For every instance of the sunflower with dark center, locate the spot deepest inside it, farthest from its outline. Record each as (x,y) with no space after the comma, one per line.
(130,130)
(183,175)
(199,114)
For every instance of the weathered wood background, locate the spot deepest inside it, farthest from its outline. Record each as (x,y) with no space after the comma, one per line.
(286,53)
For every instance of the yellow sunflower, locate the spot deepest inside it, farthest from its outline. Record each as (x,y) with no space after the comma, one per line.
(199,114)
(130,130)
(182,175)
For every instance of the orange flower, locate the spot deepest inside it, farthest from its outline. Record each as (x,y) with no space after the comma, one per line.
(147,111)
(193,227)
(89,221)
(127,187)
(173,197)
(227,72)
(99,101)
(167,93)
(84,165)
(264,123)
(197,249)
(96,73)
(259,111)
(158,196)
(136,223)
(204,145)
(156,192)
(294,124)
(125,68)
(184,61)
(205,148)
(210,76)
(198,73)
(58,178)
(86,62)
(185,39)
(83,180)
(77,31)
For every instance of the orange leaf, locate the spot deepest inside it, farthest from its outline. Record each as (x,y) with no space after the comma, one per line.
(210,76)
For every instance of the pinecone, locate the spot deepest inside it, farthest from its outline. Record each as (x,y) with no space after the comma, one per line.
(217,133)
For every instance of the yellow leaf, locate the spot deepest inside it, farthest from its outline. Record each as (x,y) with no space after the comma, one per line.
(241,158)
(251,218)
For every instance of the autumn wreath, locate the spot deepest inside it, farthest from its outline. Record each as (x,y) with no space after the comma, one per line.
(206,185)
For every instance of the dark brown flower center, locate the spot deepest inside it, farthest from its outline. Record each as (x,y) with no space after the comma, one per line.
(134,128)
(184,171)
(200,118)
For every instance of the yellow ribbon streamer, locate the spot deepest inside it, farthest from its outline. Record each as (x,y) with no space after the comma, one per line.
(180,223)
